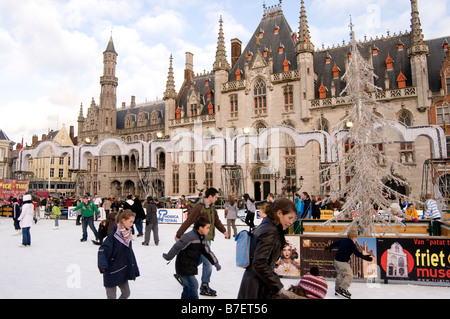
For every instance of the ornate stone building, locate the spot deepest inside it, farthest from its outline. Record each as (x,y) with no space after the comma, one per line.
(265,122)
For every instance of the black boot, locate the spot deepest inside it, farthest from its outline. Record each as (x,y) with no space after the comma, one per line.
(205,290)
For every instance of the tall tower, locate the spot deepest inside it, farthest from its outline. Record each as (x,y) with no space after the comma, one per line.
(418,52)
(304,50)
(170,97)
(108,98)
(221,69)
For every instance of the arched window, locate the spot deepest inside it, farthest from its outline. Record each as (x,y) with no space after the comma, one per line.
(405,117)
(259,93)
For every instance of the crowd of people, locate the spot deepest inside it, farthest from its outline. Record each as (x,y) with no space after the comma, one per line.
(192,248)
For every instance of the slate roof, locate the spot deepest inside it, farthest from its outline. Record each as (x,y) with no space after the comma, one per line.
(385,47)
(270,40)
(3,136)
(199,85)
(435,60)
(148,107)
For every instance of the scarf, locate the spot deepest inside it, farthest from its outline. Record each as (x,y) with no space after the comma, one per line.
(126,234)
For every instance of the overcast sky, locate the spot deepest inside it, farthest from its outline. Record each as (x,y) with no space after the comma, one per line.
(51,50)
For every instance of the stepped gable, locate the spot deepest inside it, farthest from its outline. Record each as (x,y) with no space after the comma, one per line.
(271,40)
(145,107)
(200,84)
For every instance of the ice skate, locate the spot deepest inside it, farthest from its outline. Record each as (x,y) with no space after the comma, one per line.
(205,290)
(16,233)
(178,278)
(343,293)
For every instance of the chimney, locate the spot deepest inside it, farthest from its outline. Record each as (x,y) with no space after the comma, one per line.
(236,46)
(133,102)
(34,140)
(71,132)
(189,69)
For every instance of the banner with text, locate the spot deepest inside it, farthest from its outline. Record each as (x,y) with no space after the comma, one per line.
(415,259)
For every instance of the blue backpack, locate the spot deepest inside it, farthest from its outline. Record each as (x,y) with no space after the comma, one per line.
(243,240)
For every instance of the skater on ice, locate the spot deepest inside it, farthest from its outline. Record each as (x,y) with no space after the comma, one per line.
(205,208)
(116,259)
(189,249)
(344,273)
(88,208)
(26,220)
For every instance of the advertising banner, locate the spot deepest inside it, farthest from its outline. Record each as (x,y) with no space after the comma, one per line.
(313,253)
(12,187)
(170,216)
(415,259)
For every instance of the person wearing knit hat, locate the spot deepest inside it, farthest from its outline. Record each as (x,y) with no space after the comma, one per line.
(311,285)
(344,273)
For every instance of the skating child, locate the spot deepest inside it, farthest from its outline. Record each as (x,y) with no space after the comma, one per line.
(116,259)
(188,251)
(344,273)
(57,212)
(102,232)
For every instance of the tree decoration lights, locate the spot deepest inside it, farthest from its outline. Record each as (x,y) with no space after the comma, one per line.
(364,192)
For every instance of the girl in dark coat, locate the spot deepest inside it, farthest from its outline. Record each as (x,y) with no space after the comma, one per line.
(116,260)
(260,280)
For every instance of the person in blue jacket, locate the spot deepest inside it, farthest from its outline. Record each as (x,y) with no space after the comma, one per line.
(344,273)
(116,259)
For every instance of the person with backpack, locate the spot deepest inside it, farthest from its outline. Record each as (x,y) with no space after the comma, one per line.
(260,280)
(205,208)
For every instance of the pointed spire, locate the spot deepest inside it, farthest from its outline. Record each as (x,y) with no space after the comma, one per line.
(416,30)
(110,47)
(303,34)
(417,44)
(80,115)
(170,92)
(304,38)
(221,62)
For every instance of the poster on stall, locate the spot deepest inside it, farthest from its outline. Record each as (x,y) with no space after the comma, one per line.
(12,187)
(415,259)
(313,254)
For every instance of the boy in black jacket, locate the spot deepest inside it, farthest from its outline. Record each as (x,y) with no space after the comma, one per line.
(344,273)
(188,251)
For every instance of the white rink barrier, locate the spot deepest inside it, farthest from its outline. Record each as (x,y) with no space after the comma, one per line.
(175,216)
(178,216)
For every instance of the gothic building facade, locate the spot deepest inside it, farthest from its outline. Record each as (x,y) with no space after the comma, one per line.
(263,123)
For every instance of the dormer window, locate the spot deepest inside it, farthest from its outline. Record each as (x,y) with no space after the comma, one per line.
(238,75)
(389,63)
(401,80)
(286,64)
(335,71)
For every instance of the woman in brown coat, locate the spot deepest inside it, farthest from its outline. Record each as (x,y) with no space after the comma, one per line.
(259,280)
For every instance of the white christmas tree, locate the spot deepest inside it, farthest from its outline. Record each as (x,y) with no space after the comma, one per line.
(364,166)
